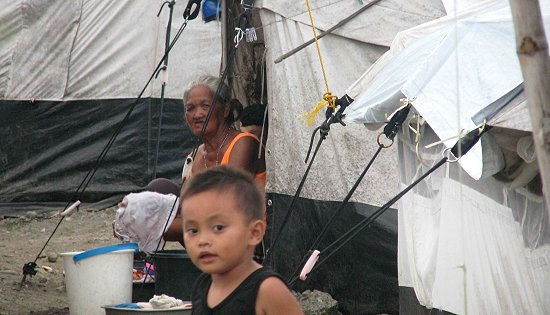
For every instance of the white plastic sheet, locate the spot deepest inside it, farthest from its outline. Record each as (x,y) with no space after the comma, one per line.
(66,50)
(453,67)
(470,247)
(466,255)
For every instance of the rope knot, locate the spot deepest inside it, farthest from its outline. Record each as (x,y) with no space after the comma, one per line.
(328,100)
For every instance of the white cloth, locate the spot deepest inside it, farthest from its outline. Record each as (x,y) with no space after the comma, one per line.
(141,218)
(164,301)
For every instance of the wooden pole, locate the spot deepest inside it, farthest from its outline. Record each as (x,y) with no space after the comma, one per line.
(532,49)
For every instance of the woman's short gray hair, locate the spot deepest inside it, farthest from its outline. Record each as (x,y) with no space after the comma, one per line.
(211,82)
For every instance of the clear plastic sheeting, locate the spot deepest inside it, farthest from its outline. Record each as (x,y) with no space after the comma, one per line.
(469,247)
(67,50)
(452,67)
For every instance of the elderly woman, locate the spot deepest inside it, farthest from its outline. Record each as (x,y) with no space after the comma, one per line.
(221,143)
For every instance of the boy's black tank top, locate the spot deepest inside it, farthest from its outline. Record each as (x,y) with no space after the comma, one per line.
(241,301)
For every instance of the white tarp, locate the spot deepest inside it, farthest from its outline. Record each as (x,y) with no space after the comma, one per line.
(65,50)
(470,247)
(466,255)
(453,66)
(466,246)
(377,25)
(296,85)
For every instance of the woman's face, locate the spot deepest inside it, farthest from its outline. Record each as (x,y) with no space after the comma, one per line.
(198,104)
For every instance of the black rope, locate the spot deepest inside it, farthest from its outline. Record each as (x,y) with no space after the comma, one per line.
(290,208)
(321,235)
(391,129)
(350,234)
(231,58)
(88,177)
(242,19)
(121,124)
(323,132)
(463,145)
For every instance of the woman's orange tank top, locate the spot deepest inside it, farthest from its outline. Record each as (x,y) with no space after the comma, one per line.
(260,177)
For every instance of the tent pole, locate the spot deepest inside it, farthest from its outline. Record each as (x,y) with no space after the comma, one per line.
(532,50)
(164,70)
(225,49)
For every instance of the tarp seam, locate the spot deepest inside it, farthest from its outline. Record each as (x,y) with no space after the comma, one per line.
(72,48)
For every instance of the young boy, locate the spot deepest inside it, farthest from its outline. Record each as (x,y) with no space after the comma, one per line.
(222,212)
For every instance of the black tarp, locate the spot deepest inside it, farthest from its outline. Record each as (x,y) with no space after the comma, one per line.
(47,148)
(362,275)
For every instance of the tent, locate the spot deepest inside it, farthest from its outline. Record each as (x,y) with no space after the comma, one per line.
(69,73)
(473,238)
(362,275)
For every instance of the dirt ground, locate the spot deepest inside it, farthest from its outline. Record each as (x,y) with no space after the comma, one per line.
(22,239)
(45,293)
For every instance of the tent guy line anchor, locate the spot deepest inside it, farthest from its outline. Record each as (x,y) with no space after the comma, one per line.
(462,146)
(29,269)
(331,102)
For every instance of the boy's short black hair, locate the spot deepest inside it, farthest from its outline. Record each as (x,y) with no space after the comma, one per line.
(225,178)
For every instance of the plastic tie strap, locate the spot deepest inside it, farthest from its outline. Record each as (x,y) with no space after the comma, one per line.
(71,209)
(310,263)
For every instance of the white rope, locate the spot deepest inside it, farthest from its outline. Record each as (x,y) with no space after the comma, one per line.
(261,101)
(239,34)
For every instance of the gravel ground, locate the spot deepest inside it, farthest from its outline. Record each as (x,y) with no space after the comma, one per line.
(22,239)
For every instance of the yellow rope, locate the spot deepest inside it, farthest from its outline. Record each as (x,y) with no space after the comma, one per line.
(317,44)
(328,99)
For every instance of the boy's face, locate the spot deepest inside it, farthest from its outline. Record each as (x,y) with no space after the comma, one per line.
(218,235)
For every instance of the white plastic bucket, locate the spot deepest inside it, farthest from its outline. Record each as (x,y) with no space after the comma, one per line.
(100,277)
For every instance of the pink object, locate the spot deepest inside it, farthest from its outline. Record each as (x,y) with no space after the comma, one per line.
(149,266)
(309,264)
